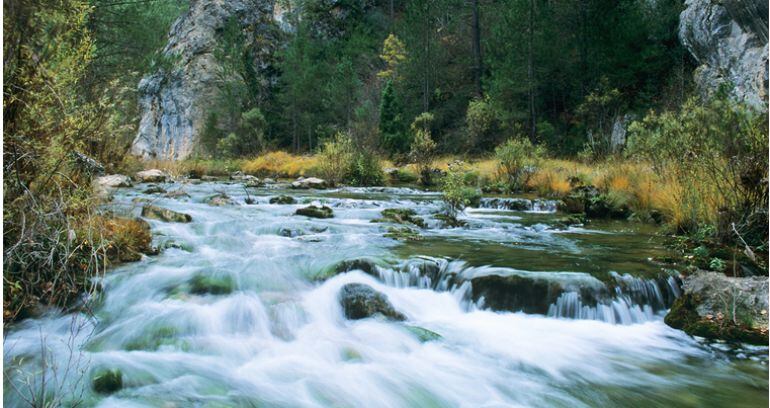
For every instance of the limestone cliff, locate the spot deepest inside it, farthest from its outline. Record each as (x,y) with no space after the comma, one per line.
(728,39)
(174,102)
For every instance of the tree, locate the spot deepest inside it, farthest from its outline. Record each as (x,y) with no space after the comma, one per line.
(392,133)
(393,54)
(423,147)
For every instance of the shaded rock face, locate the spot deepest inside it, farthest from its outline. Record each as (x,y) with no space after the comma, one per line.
(720,307)
(728,39)
(175,104)
(360,301)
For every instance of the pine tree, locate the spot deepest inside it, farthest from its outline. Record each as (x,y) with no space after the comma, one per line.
(392,133)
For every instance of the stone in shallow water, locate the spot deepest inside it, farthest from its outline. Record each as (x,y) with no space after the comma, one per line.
(360,301)
(154,190)
(107,381)
(164,214)
(202,284)
(151,176)
(401,216)
(282,199)
(315,212)
(422,334)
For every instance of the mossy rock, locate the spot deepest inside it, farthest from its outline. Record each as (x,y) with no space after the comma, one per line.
(177,245)
(422,334)
(683,315)
(569,221)
(107,381)
(153,339)
(401,216)
(154,190)
(315,212)
(282,199)
(164,214)
(450,222)
(403,234)
(360,301)
(205,284)
(219,200)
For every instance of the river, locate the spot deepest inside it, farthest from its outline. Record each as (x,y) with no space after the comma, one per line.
(580,324)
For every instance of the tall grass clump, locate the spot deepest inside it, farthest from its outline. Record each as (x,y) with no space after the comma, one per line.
(715,156)
(280,164)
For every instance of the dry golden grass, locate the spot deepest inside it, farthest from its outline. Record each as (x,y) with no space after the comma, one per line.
(281,164)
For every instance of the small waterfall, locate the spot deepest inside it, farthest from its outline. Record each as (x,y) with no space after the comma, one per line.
(624,299)
(519,204)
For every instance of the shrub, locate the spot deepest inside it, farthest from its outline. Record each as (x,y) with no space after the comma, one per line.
(518,159)
(482,121)
(455,191)
(366,170)
(716,153)
(336,157)
(423,149)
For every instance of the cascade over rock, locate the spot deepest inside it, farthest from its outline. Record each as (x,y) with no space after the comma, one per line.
(175,101)
(728,39)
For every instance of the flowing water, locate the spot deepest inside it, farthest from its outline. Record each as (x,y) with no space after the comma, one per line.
(528,314)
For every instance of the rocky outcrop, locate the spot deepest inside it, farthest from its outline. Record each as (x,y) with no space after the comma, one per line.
(728,39)
(716,306)
(105,185)
(175,102)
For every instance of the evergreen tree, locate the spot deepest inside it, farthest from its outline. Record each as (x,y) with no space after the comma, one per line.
(394,138)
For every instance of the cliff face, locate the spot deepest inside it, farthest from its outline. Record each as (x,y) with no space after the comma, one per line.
(729,41)
(175,101)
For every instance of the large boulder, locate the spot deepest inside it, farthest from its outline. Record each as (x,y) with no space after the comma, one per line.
(310,182)
(716,306)
(164,214)
(176,101)
(360,301)
(105,185)
(152,176)
(728,39)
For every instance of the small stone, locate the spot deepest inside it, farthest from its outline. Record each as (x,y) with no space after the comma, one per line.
(107,381)
(282,199)
(163,214)
(315,212)
(152,176)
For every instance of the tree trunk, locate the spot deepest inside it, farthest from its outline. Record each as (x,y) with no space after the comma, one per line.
(531,69)
(477,67)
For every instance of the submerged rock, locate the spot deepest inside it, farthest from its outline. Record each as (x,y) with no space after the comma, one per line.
(219,200)
(366,265)
(204,284)
(403,234)
(716,306)
(154,190)
(107,381)
(282,199)
(401,216)
(423,334)
(448,221)
(152,176)
(178,193)
(315,212)
(360,301)
(311,182)
(164,214)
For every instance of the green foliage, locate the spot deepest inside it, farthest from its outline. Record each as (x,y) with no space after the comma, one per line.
(597,113)
(336,157)
(456,192)
(394,138)
(482,122)
(717,151)
(518,159)
(366,170)
(423,149)
(393,54)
